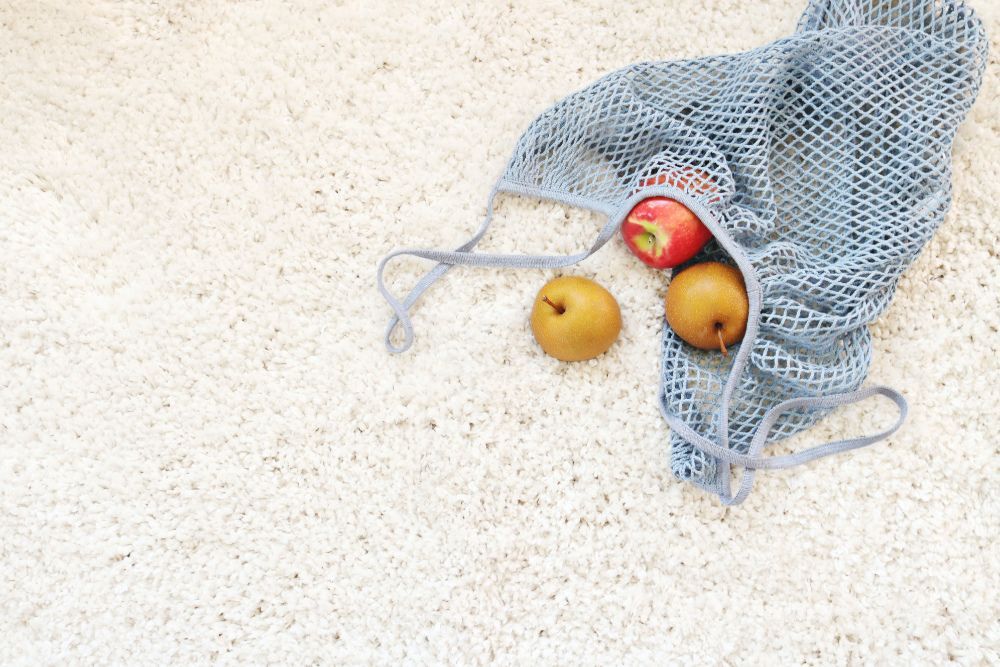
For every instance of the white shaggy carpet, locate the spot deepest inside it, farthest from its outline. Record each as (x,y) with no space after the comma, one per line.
(206,455)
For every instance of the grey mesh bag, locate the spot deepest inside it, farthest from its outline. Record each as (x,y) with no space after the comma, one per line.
(820,163)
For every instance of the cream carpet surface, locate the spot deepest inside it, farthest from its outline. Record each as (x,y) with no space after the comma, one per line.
(207,456)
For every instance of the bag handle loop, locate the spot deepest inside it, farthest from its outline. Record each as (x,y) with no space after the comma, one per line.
(752,461)
(464,255)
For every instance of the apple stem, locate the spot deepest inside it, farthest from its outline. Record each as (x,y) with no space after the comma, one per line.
(559,309)
(722,344)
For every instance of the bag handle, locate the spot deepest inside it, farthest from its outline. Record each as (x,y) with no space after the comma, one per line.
(752,461)
(464,255)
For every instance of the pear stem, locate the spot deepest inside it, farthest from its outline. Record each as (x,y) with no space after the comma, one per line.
(558,309)
(722,344)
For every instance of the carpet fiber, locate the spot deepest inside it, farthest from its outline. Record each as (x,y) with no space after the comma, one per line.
(206,454)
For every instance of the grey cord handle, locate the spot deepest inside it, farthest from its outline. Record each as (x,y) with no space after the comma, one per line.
(753,461)
(464,255)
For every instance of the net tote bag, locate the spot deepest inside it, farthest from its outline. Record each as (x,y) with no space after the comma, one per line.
(821,163)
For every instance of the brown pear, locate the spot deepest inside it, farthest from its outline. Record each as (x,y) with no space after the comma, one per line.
(707,306)
(575,319)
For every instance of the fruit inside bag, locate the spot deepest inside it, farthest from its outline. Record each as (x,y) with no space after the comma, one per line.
(821,165)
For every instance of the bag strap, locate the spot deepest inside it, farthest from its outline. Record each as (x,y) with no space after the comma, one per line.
(753,461)
(464,255)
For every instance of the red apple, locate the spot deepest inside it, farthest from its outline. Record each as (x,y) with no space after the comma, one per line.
(663,232)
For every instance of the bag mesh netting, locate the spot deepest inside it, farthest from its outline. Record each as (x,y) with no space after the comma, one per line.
(821,164)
